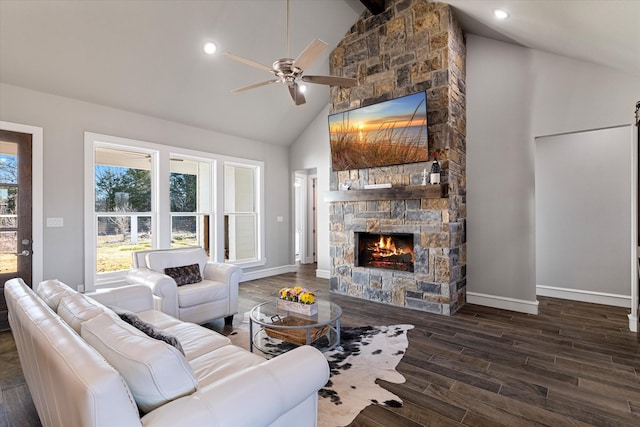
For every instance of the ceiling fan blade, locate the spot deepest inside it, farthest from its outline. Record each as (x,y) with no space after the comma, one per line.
(255,85)
(310,54)
(296,95)
(248,62)
(331,80)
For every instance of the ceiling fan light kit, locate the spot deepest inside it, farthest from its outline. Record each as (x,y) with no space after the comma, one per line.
(290,71)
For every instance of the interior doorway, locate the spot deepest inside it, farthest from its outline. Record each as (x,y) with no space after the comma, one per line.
(585,210)
(305,219)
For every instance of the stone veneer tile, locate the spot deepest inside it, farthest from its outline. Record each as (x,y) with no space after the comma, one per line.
(419,304)
(355,290)
(424,216)
(379,295)
(429,287)
(414,295)
(360,277)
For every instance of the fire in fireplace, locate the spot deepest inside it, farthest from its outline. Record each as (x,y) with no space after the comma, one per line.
(392,251)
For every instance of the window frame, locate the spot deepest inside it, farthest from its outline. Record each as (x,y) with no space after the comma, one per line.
(258,190)
(161,215)
(212,212)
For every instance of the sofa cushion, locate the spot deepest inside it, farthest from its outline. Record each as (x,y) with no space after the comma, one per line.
(158,261)
(199,293)
(218,364)
(76,308)
(158,319)
(51,291)
(197,340)
(149,329)
(155,372)
(184,275)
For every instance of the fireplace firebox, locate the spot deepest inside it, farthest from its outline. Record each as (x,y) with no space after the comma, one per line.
(393,251)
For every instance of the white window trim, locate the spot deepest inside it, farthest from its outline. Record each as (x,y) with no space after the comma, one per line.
(161,155)
(259,196)
(92,140)
(213,212)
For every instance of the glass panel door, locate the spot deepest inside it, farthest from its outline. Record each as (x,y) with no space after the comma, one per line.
(15,206)
(15,213)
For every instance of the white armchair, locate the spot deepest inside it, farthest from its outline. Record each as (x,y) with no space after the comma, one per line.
(215,296)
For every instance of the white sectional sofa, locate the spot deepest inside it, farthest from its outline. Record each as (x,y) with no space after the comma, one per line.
(87,367)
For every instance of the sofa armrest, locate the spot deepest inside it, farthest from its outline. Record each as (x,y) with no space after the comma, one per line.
(161,285)
(225,273)
(134,298)
(273,388)
(222,272)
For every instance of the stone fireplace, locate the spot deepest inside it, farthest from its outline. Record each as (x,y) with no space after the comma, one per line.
(412,46)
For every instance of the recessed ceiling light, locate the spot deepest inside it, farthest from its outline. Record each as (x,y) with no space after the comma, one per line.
(500,14)
(303,88)
(209,48)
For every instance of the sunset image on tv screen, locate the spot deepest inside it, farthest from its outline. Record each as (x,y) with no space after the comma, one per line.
(388,133)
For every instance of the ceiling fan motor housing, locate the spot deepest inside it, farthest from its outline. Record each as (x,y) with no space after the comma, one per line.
(285,70)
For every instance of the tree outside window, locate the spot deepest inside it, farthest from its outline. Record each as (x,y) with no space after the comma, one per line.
(123,205)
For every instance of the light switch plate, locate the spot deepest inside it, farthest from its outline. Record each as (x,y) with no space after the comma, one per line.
(55,222)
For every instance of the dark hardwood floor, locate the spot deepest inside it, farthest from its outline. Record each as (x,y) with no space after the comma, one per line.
(574,364)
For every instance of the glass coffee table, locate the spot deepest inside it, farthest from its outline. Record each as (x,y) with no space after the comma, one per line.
(278,330)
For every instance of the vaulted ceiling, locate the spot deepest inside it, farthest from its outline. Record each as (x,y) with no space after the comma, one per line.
(146,56)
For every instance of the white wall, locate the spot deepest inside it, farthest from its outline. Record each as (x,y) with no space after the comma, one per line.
(513,95)
(500,172)
(311,150)
(65,120)
(572,95)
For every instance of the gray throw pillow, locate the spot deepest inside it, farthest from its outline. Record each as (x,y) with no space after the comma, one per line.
(152,331)
(184,275)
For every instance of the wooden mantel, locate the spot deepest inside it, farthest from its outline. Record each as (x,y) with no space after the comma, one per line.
(407,192)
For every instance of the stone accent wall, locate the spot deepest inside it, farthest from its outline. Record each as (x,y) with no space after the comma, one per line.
(413,46)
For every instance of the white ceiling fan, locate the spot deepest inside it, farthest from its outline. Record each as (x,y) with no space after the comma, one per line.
(290,71)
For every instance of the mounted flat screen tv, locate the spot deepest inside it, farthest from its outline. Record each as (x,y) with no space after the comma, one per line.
(387,133)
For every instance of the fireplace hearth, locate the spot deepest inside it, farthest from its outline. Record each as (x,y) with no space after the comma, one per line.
(392,251)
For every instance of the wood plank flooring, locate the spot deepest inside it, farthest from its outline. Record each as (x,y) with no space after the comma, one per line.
(575,364)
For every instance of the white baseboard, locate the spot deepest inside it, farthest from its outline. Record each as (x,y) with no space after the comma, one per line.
(504,303)
(323,274)
(267,272)
(584,296)
(633,323)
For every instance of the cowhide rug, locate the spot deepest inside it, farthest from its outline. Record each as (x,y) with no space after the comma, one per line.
(368,353)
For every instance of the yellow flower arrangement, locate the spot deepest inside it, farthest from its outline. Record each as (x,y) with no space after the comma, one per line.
(307,297)
(297,294)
